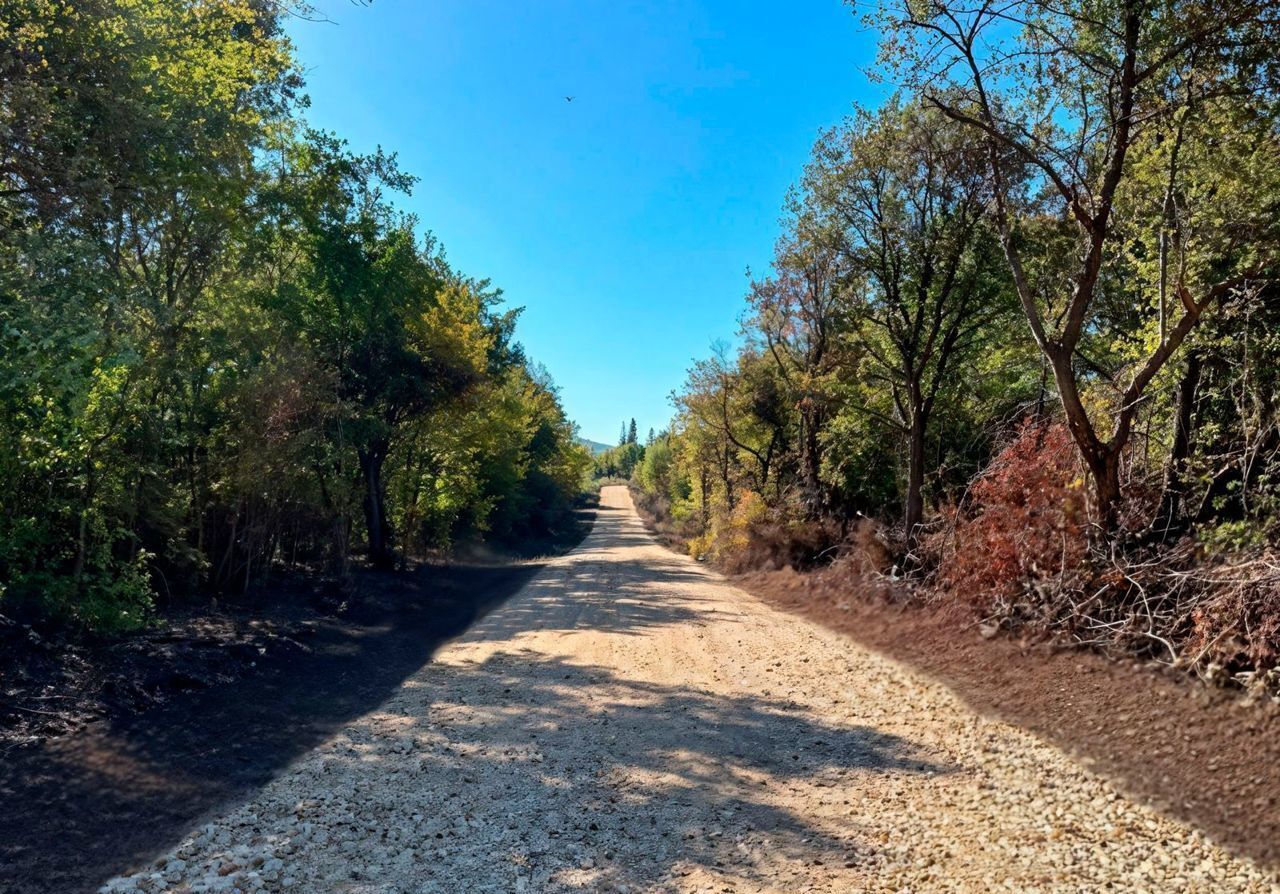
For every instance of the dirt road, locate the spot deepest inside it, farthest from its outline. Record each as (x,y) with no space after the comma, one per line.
(630,722)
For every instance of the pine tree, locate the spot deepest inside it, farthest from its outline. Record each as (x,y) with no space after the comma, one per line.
(631,432)
(622,437)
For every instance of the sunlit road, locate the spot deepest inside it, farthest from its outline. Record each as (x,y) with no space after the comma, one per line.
(631,722)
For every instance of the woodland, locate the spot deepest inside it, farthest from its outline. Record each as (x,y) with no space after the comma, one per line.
(267,454)
(1018,349)
(224,352)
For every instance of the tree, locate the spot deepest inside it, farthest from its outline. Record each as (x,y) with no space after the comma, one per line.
(801,315)
(631,432)
(740,403)
(127,168)
(902,193)
(1068,97)
(370,289)
(221,346)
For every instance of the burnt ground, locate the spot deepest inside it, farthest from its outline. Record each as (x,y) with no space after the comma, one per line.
(1203,756)
(110,751)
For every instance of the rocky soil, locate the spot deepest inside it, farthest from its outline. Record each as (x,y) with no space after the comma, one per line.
(632,722)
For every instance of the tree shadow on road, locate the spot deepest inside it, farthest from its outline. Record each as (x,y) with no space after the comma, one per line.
(532,773)
(77,810)
(620,581)
(572,597)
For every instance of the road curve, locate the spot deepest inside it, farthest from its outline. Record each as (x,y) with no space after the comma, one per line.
(631,722)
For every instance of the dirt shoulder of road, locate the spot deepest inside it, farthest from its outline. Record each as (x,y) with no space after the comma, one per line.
(109,750)
(1205,757)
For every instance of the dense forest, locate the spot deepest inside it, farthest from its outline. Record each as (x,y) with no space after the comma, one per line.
(223,350)
(1019,346)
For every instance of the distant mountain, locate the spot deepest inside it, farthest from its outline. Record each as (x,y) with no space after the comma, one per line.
(594,446)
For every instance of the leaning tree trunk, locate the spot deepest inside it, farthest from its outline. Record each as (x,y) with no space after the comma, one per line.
(1102,458)
(372,459)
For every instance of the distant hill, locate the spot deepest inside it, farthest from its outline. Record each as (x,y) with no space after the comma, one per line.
(594,446)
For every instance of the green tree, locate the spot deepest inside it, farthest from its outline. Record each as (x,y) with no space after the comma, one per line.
(1069,98)
(902,193)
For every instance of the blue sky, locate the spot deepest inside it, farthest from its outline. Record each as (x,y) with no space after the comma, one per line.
(623,221)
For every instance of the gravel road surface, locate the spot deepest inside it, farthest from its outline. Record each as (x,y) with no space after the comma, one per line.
(631,722)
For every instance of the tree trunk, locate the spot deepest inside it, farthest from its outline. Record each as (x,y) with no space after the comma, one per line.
(1102,459)
(1105,467)
(372,459)
(811,464)
(725,479)
(341,536)
(704,485)
(913,513)
(1170,518)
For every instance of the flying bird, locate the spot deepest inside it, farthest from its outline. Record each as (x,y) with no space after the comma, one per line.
(568,99)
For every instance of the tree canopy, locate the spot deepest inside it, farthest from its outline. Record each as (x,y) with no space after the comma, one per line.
(223,350)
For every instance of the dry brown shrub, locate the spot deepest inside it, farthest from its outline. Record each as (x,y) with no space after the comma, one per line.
(867,552)
(1022,526)
(1232,620)
(1018,556)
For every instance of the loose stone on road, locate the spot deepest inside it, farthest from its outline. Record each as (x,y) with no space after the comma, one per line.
(631,722)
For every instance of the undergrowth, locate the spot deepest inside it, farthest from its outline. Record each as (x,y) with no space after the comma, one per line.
(1017,554)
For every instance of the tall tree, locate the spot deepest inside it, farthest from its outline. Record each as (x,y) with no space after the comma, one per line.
(1067,97)
(370,286)
(904,191)
(801,315)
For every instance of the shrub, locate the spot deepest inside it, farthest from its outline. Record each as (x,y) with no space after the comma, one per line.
(1233,627)
(1023,526)
(756,536)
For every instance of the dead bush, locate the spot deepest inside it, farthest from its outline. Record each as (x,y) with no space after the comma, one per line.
(1017,555)
(1231,616)
(1022,526)
(867,551)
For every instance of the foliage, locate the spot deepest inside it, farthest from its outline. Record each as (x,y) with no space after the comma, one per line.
(618,462)
(1022,524)
(1148,131)
(223,351)
(1022,321)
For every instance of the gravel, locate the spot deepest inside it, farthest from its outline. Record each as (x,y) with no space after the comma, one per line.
(631,722)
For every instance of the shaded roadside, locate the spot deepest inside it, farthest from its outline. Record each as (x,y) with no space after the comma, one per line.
(78,809)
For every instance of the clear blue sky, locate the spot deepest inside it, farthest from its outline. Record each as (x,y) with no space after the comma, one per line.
(623,221)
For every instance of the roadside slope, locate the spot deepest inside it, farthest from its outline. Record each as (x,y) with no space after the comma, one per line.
(631,722)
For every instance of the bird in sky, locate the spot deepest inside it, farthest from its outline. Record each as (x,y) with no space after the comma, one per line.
(568,99)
